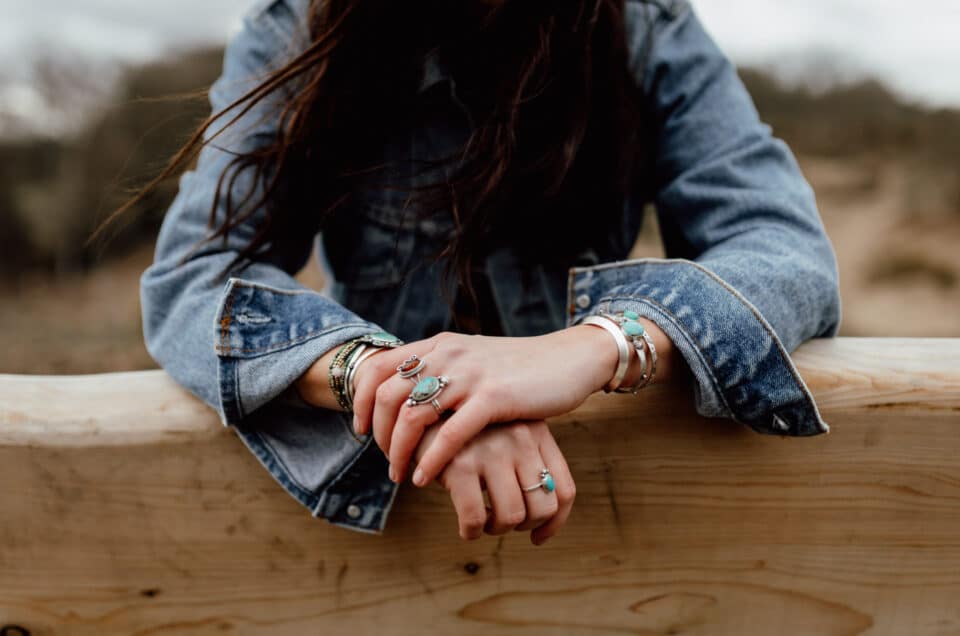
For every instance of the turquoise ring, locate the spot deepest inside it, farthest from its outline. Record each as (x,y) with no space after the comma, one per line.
(427,390)
(546,482)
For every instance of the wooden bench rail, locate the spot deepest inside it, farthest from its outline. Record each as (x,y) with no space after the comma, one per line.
(126,508)
(914,376)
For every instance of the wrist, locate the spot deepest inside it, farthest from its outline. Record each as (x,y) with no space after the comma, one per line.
(598,353)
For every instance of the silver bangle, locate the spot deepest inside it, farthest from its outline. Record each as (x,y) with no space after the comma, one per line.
(639,340)
(623,348)
(349,367)
(352,367)
(653,358)
(638,346)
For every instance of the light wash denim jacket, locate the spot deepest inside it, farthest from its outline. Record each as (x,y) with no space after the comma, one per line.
(750,275)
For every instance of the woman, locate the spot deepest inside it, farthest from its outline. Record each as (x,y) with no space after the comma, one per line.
(479,167)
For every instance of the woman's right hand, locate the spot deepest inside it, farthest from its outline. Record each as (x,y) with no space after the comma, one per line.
(502,459)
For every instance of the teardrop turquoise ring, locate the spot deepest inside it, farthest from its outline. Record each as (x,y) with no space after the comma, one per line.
(546,482)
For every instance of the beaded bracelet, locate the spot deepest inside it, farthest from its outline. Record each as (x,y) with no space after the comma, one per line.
(630,324)
(338,371)
(348,358)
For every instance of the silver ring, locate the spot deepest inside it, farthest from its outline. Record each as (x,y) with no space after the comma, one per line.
(411,366)
(410,369)
(427,390)
(545,483)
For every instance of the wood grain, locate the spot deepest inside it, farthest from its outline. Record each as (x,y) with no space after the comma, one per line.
(682,525)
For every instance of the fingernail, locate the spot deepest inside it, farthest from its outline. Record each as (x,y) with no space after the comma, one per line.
(418,477)
(356,425)
(393,474)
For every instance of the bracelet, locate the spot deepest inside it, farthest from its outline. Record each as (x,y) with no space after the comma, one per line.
(338,372)
(638,346)
(631,327)
(352,370)
(623,348)
(349,356)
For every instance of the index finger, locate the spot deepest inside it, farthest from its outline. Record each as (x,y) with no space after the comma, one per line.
(375,371)
(463,425)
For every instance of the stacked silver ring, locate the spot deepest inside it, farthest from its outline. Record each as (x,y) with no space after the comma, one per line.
(425,389)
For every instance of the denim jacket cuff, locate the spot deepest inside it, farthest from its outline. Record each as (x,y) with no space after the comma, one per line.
(267,337)
(741,369)
(318,459)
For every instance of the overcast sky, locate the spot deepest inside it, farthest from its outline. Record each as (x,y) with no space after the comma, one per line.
(915,47)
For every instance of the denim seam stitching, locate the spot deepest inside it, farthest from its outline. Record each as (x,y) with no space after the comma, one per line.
(690,340)
(784,356)
(272,348)
(388,507)
(236,391)
(236,281)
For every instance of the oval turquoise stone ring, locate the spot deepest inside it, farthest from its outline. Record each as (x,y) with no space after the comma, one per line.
(427,389)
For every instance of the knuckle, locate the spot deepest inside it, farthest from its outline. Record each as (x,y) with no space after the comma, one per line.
(448,436)
(513,518)
(444,336)
(374,367)
(410,417)
(382,392)
(521,432)
(550,508)
(473,520)
(496,445)
(464,463)
(567,495)
(376,364)
(524,440)
(494,393)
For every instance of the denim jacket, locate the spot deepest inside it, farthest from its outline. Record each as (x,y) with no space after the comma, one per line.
(750,272)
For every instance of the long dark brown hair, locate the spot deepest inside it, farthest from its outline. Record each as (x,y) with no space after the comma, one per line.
(554,112)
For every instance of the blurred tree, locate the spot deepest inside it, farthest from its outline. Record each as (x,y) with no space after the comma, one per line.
(58,193)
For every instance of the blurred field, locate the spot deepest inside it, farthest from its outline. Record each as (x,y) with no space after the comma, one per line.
(886,175)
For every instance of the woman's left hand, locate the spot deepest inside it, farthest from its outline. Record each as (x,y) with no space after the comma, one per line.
(491,379)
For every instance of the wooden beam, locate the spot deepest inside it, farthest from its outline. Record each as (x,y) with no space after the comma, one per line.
(125,507)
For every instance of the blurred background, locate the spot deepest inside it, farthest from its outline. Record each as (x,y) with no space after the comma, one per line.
(866,92)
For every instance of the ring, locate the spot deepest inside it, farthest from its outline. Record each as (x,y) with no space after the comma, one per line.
(546,482)
(411,368)
(426,391)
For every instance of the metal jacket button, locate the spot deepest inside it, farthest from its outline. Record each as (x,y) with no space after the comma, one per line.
(354,511)
(583,301)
